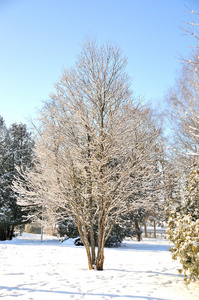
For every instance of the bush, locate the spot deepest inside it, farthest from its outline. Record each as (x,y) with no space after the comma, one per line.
(32,228)
(68,230)
(184,233)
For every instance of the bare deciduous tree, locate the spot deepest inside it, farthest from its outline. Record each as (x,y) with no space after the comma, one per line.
(96,145)
(183,97)
(184,108)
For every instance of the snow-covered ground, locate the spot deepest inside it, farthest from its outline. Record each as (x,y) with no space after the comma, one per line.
(30,269)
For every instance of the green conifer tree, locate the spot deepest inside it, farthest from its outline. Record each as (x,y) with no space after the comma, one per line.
(183,228)
(16,149)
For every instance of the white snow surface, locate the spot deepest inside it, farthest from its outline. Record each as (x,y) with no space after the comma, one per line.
(52,270)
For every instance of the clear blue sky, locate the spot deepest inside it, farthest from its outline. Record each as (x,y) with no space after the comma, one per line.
(38,38)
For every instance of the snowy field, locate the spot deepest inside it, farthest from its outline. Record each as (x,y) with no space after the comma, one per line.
(50,270)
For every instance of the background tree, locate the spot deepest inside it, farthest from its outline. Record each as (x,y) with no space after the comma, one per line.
(184,107)
(148,184)
(183,227)
(89,158)
(15,149)
(4,208)
(183,222)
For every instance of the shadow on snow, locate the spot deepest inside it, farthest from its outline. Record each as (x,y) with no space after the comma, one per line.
(21,289)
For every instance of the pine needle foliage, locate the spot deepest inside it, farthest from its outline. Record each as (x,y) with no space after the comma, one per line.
(183,228)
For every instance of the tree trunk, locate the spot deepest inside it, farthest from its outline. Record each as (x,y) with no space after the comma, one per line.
(92,241)
(2,234)
(100,259)
(90,265)
(138,236)
(11,232)
(84,237)
(92,237)
(100,244)
(8,233)
(154,232)
(138,231)
(145,230)
(86,244)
